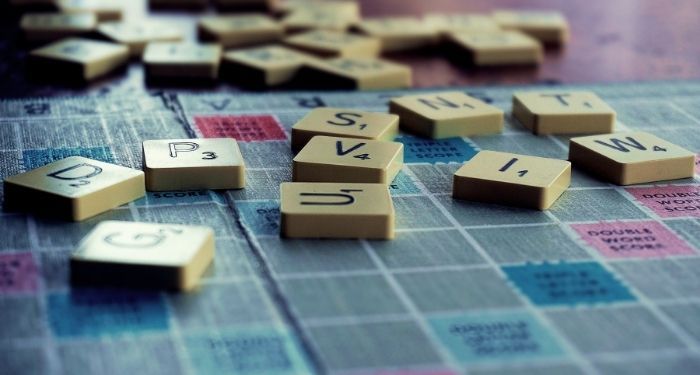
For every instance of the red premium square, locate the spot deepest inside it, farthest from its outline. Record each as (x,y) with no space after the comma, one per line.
(18,273)
(243,128)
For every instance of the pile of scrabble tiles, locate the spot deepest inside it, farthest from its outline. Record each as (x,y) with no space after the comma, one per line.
(344,161)
(312,43)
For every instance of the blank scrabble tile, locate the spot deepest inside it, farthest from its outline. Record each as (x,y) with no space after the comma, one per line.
(187,164)
(182,60)
(348,8)
(400,33)
(44,27)
(143,255)
(336,210)
(80,59)
(547,26)
(326,15)
(329,43)
(631,157)
(74,188)
(560,112)
(461,23)
(489,48)
(239,30)
(337,159)
(356,73)
(348,123)
(263,66)
(136,35)
(447,114)
(105,10)
(512,179)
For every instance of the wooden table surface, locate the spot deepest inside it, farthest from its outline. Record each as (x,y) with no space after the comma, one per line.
(612,40)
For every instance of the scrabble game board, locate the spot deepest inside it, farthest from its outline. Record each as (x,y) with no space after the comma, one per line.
(606,281)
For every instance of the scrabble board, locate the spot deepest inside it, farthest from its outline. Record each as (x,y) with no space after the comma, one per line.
(605,281)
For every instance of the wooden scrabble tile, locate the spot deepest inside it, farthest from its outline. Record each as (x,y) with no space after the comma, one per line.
(80,59)
(512,179)
(330,15)
(348,8)
(486,48)
(136,35)
(239,30)
(547,26)
(105,10)
(461,22)
(143,255)
(182,60)
(348,123)
(336,210)
(44,27)
(446,114)
(74,188)
(563,112)
(186,164)
(356,73)
(337,159)
(262,66)
(631,157)
(328,43)
(399,33)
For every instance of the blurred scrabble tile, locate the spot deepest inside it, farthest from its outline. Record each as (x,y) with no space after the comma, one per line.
(337,159)
(187,164)
(136,35)
(487,48)
(245,5)
(356,73)
(182,60)
(347,123)
(262,66)
(42,27)
(446,114)
(631,158)
(547,26)
(105,10)
(461,22)
(79,59)
(331,15)
(239,30)
(348,8)
(328,43)
(512,179)
(74,188)
(178,4)
(563,112)
(400,33)
(143,255)
(336,210)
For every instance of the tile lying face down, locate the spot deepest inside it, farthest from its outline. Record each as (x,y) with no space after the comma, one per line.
(143,255)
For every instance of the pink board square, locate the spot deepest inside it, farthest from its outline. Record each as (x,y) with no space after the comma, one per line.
(18,273)
(243,128)
(637,239)
(670,201)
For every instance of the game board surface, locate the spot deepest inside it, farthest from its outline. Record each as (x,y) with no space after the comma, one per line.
(606,281)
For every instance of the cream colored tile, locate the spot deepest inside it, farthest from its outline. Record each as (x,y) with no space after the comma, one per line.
(348,123)
(185,164)
(400,33)
(461,22)
(326,15)
(79,59)
(336,210)
(358,73)
(512,179)
(74,188)
(549,27)
(631,158)
(263,66)
(239,30)
(105,10)
(563,112)
(45,27)
(136,35)
(144,255)
(446,114)
(182,60)
(337,159)
(329,43)
(486,48)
